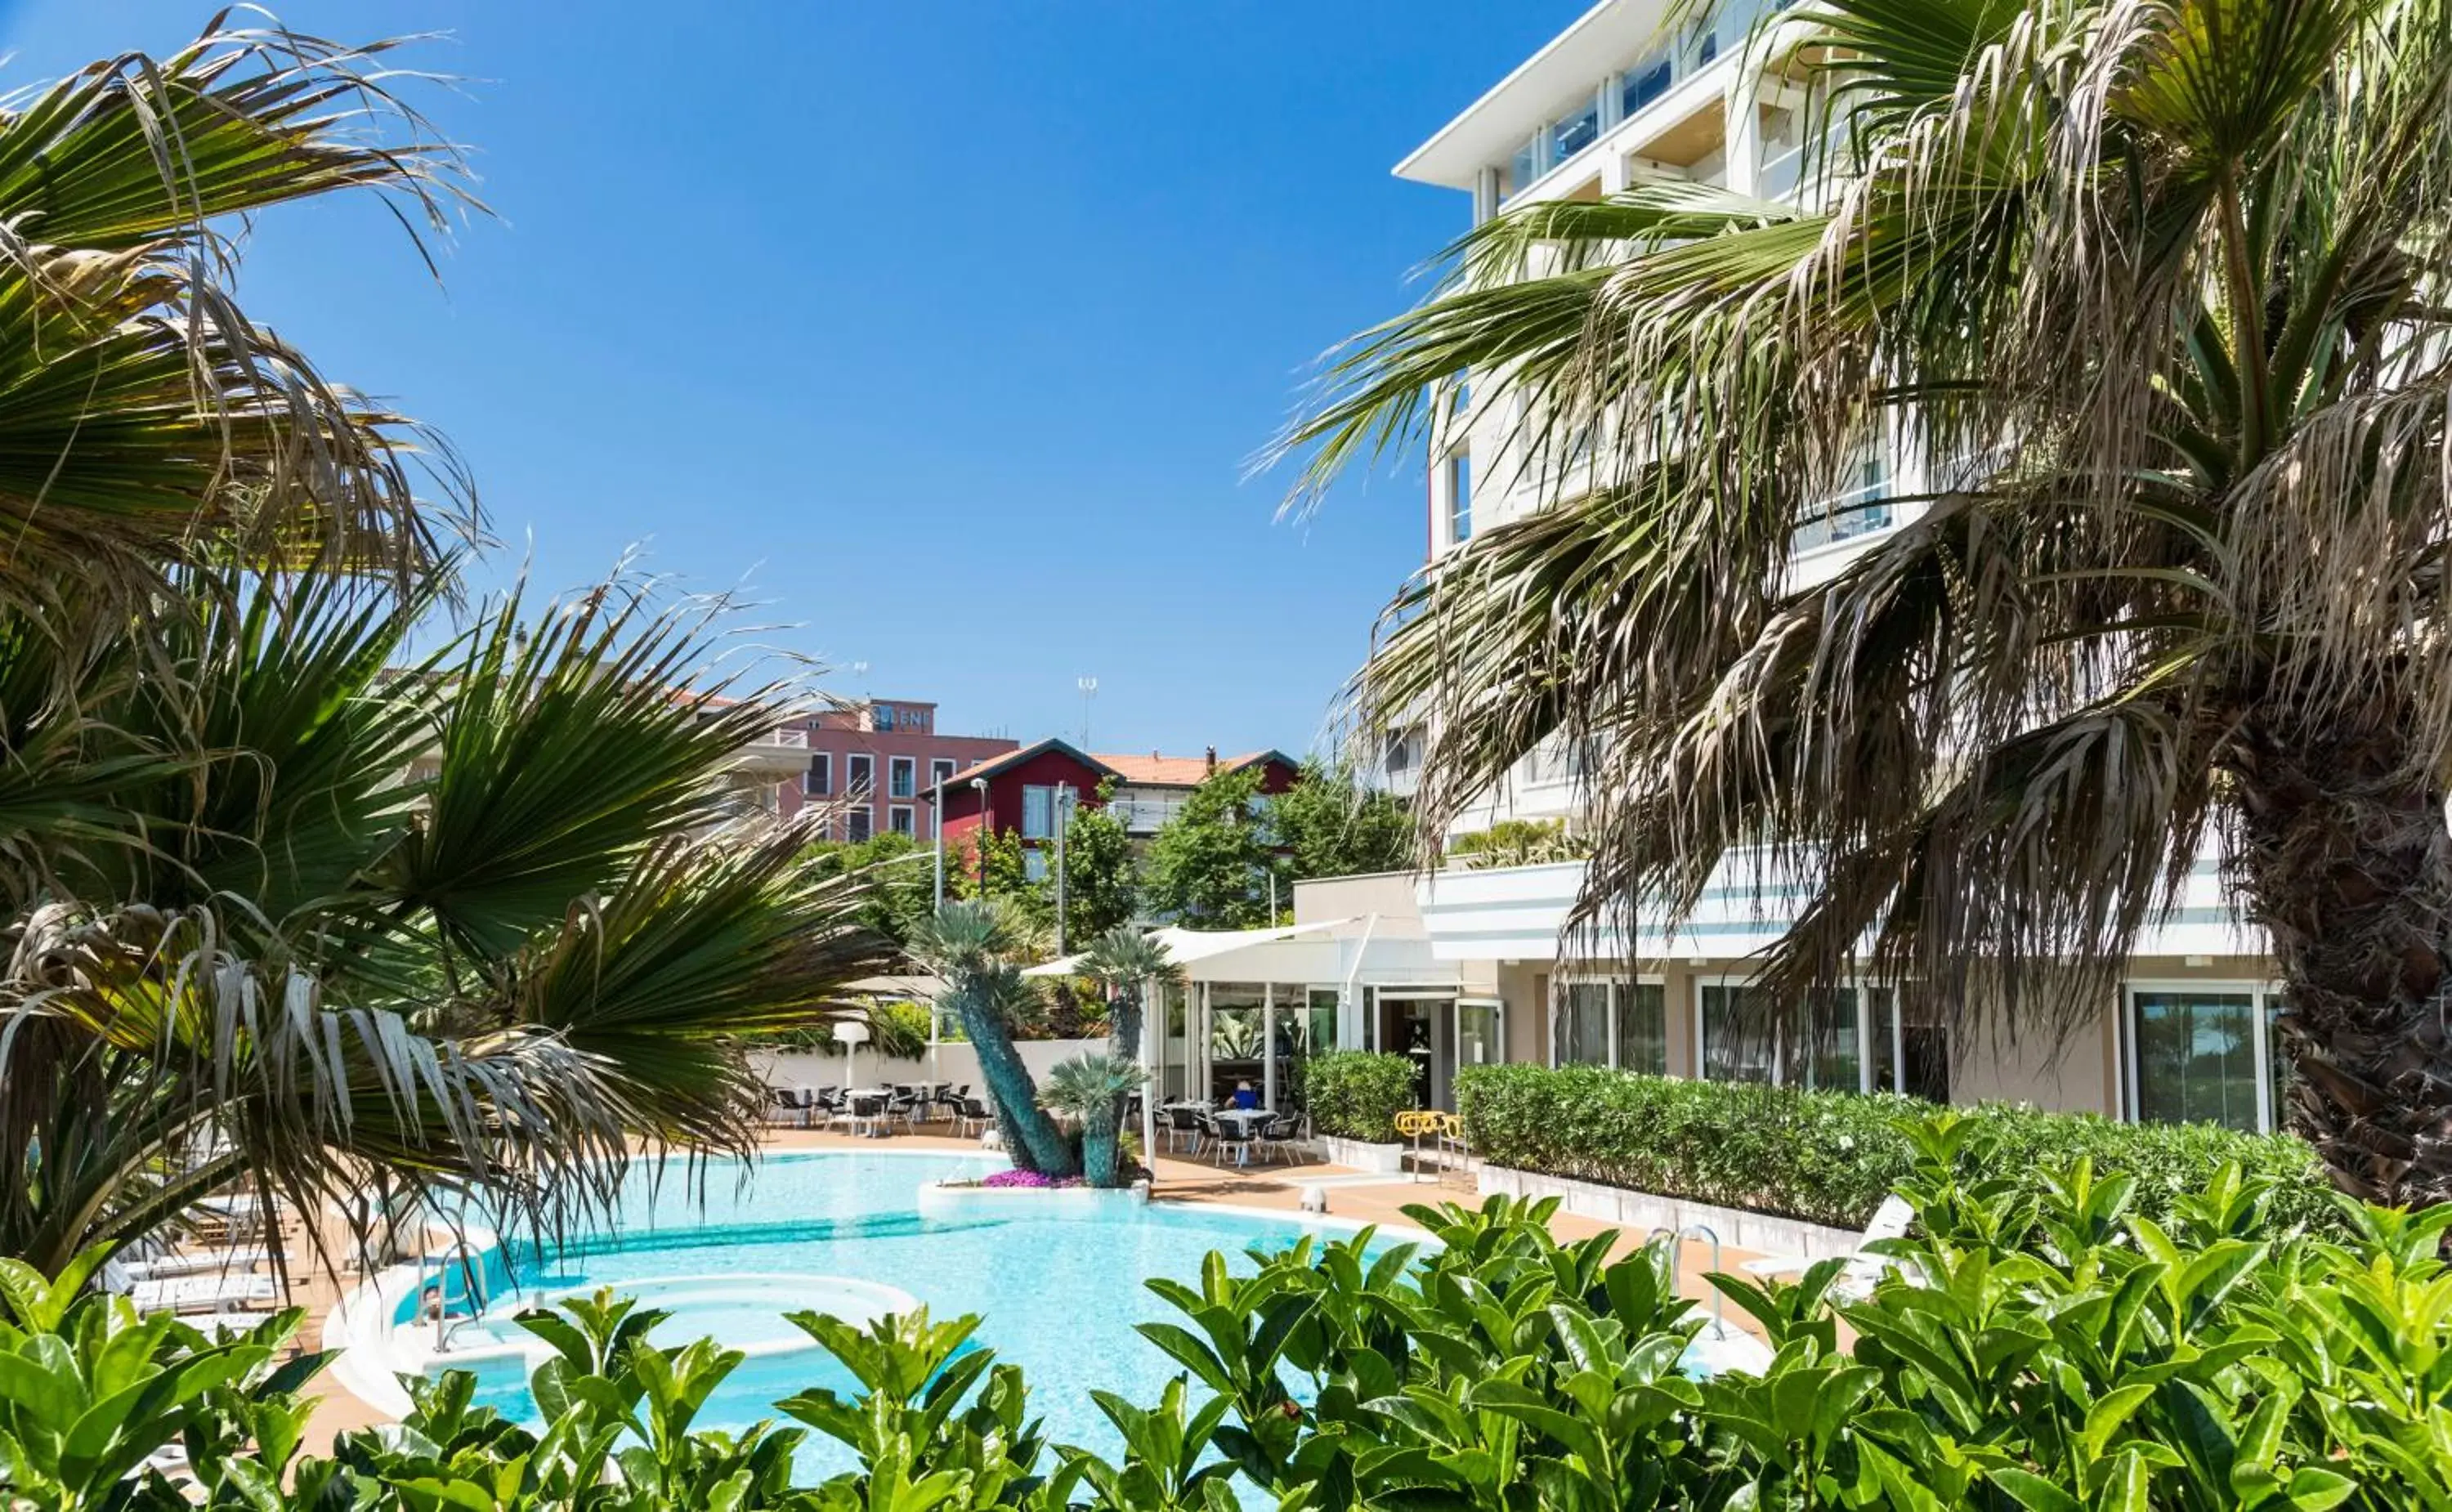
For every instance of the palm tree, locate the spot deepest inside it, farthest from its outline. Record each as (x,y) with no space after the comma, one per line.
(140,409)
(274,908)
(1093,1088)
(280,915)
(2151,300)
(975,947)
(1124,962)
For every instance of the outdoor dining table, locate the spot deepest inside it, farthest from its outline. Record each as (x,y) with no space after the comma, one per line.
(1246,1121)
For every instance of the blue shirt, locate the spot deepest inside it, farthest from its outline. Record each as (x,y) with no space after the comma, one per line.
(1245,1097)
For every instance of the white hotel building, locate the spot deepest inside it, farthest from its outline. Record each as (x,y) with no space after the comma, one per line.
(1464,966)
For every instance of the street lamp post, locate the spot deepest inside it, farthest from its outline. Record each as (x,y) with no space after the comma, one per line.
(1089,687)
(1064,800)
(979,787)
(936,808)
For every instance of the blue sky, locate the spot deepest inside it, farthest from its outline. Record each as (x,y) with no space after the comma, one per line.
(945,328)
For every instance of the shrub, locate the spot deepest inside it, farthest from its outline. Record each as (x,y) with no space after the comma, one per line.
(2135,1365)
(1829,1157)
(1355,1095)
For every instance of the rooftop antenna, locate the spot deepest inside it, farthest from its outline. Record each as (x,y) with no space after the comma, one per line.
(1089,687)
(859,674)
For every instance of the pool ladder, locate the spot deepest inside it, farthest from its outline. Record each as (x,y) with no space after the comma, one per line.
(1677,1256)
(471,1275)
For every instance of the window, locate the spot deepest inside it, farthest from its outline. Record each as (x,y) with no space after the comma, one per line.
(1575,130)
(1740,1041)
(1641,1038)
(1644,83)
(1583,1036)
(1525,166)
(901,775)
(1460,495)
(2201,1055)
(938,771)
(1623,1025)
(860,776)
(1818,1043)
(818,781)
(856,822)
(1033,864)
(898,819)
(1037,813)
(1318,1025)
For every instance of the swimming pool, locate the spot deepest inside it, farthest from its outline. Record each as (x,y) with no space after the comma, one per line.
(1059,1296)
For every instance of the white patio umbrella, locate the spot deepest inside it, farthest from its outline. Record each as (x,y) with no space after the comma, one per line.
(852,1034)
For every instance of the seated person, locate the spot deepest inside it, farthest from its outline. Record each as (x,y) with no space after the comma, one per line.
(1243,1097)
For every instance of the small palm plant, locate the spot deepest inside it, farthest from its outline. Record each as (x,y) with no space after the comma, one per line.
(974,947)
(1093,1088)
(1126,963)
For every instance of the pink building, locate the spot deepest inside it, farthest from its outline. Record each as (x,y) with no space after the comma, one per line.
(877,762)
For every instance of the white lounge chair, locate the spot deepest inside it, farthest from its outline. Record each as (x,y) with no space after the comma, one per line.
(189,1293)
(206,1261)
(1863,1271)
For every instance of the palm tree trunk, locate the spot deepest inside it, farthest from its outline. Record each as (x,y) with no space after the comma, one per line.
(1100,1150)
(2348,867)
(1124,1042)
(1031,1137)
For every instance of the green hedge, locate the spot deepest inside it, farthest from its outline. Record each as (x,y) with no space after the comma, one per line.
(1354,1094)
(1829,1157)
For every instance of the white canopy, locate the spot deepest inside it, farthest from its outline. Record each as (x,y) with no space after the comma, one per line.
(1186,947)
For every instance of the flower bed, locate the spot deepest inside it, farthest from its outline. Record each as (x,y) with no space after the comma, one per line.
(1032,1180)
(1830,1157)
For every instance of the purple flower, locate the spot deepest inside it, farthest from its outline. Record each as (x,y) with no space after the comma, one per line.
(1031,1179)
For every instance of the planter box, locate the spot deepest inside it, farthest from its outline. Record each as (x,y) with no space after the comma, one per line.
(946,1199)
(1642,1211)
(1379,1160)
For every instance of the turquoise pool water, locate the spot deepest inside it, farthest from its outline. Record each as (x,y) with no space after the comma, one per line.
(1058,1297)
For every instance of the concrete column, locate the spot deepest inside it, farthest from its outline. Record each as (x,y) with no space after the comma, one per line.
(1743,133)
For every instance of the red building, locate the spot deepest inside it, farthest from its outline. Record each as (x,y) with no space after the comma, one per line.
(1015,790)
(879,762)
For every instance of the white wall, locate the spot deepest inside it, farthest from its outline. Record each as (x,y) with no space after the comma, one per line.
(955,1063)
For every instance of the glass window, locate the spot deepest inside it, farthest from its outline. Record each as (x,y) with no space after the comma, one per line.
(2196,1056)
(1583,1033)
(819,781)
(1034,865)
(1577,130)
(1480,1041)
(856,822)
(901,775)
(1643,1028)
(1644,83)
(1235,1030)
(1525,166)
(938,771)
(1037,813)
(898,819)
(1460,495)
(1831,1053)
(1740,1037)
(862,774)
(1319,1021)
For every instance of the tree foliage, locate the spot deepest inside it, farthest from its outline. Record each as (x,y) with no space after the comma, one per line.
(2146,306)
(1331,824)
(283,903)
(1209,866)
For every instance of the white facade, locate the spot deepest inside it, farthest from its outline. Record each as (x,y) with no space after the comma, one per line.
(1614,100)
